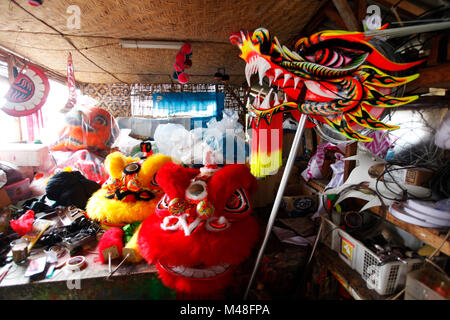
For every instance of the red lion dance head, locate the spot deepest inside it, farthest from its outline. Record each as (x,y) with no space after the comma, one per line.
(202,229)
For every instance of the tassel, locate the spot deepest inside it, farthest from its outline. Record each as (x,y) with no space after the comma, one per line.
(266,155)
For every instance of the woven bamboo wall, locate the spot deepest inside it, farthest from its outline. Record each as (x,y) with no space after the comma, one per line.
(116,98)
(113,97)
(42,34)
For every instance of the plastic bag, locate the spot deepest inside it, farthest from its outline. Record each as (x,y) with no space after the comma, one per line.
(225,139)
(125,143)
(313,171)
(338,172)
(173,140)
(442,137)
(89,164)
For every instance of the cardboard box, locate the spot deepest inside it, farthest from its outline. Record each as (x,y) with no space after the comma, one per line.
(25,154)
(299,200)
(267,187)
(413,176)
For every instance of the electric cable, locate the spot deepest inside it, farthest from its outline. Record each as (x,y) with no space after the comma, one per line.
(404,194)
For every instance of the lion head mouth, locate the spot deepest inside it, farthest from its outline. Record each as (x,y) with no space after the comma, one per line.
(198,272)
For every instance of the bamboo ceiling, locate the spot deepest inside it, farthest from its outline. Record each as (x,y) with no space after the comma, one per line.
(41,35)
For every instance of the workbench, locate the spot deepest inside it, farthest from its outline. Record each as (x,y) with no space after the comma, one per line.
(130,281)
(92,281)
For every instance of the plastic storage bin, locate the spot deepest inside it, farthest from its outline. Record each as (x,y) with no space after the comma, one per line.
(427,284)
(385,279)
(19,190)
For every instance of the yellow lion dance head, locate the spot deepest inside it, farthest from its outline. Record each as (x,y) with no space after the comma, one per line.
(131,192)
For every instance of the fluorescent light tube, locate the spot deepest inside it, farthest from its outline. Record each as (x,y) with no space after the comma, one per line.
(147,44)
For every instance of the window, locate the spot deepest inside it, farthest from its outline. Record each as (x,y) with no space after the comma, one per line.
(167,100)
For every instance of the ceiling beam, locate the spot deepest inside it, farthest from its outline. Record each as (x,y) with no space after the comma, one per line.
(311,25)
(428,102)
(360,10)
(335,18)
(346,12)
(404,5)
(388,4)
(432,77)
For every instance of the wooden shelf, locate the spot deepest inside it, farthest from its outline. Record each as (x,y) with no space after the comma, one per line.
(433,237)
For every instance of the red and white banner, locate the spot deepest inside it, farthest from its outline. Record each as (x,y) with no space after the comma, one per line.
(71,85)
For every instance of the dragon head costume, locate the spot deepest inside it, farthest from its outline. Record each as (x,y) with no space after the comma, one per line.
(334,77)
(202,228)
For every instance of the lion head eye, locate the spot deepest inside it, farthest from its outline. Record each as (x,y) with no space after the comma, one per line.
(100,120)
(238,205)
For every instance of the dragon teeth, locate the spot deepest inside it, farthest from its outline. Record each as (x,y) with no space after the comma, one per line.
(263,66)
(250,69)
(266,102)
(296,80)
(270,80)
(285,98)
(257,99)
(277,74)
(287,76)
(277,102)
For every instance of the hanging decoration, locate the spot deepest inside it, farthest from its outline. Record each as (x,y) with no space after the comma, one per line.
(28,92)
(183,61)
(333,77)
(221,75)
(71,85)
(36,3)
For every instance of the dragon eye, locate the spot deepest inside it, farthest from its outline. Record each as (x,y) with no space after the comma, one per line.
(329,58)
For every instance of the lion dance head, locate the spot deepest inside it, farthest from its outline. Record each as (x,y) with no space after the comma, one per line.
(203,227)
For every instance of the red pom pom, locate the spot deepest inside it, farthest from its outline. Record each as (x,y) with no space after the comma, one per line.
(112,237)
(188,63)
(183,78)
(180,58)
(177,68)
(24,224)
(235,38)
(186,49)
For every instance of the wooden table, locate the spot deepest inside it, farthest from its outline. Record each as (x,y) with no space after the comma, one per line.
(131,281)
